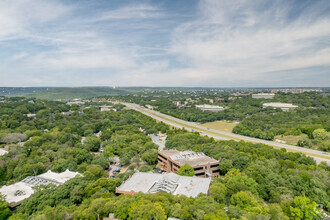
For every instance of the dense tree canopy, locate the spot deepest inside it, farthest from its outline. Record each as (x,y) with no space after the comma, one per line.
(256,182)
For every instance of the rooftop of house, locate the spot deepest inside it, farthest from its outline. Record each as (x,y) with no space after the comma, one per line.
(168,182)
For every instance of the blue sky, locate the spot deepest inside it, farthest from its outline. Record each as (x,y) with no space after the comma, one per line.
(256,43)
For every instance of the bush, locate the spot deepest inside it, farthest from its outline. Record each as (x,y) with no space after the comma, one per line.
(145,168)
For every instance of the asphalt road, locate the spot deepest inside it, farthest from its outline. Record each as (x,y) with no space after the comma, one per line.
(205,131)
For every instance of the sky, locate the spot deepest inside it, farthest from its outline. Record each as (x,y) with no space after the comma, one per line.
(206,43)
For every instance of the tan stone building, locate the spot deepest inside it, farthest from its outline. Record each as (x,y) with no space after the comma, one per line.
(172,160)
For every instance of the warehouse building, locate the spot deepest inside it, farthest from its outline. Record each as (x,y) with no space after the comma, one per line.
(167,182)
(14,194)
(263,96)
(213,108)
(283,106)
(172,160)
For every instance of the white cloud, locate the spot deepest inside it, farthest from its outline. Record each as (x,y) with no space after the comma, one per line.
(235,41)
(19,18)
(141,11)
(227,43)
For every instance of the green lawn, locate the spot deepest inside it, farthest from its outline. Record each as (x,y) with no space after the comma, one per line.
(220,125)
(290,139)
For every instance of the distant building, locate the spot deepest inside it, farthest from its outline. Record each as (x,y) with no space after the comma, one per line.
(263,96)
(106,108)
(67,113)
(30,115)
(3,152)
(167,182)
(75,102)
(14,194)
(172,160)
(283,106)
(213,108)
(151,107)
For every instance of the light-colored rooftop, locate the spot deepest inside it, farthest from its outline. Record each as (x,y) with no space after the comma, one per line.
(14,194)
(168,182)
(17,192)
(188,157)
(59,177)
(3,152)
(270,94)
(279,105)
(209,106)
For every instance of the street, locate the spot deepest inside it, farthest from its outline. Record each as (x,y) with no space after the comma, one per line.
(178,123)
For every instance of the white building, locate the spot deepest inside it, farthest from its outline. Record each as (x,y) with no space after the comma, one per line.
(14,194)
(107,108)
(75,102)
(213,108)
(167,182)
(263,96)
(3,152)
(283,106)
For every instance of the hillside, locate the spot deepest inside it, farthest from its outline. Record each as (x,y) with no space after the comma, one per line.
(78,92)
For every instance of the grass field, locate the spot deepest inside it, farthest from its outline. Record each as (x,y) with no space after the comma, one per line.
(220,125)
(290,139)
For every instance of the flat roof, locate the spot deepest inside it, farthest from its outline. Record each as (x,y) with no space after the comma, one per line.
(14,194)
(279,105)
(209,106)
(168,182)
(188,157)
(264,94)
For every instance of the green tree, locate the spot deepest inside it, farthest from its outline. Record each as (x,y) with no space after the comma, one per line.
(303,208)
(92,143)
(150,157)
(145,168)
(145,210)
(218,191)
(4,209)
(236,181)
(320,134)
(225,165)
(186,170)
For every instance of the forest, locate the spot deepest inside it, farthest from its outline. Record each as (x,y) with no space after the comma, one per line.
(256,182)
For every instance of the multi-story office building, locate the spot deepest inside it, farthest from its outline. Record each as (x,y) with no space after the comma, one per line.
(172,160)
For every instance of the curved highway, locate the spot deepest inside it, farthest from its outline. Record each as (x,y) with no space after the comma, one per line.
(175,122)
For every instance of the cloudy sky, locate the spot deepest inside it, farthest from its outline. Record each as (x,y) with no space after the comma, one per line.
(165,43)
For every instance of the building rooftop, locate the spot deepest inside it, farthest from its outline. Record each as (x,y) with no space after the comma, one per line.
(188,157)
(209,106)
(14,194)
(168,182)
(264,94)
(279,105)
(3,152)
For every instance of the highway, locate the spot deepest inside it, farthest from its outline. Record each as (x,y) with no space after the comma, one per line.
(319,156)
